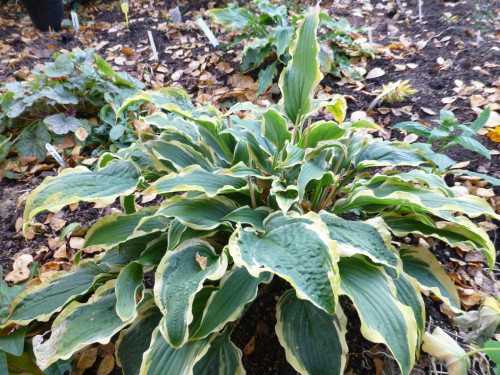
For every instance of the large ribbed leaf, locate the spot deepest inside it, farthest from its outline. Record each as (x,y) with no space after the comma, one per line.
(222,358)
(79,325)
(387,153)
(314,340)
(161,358)
(298,81)
(128,284)
(408,293)
(297,249)
(411,198)
(461,230)
(79,184)
(194,178)
(237,288)
(357,237)
(135,340)
(119,227)
(421,264)
(179,276)
(383,318)
(41,301)
(202,212)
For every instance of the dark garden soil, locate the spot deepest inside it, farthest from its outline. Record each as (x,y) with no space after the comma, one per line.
(451,70)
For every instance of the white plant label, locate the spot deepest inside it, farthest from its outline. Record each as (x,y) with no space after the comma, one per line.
(176,15)
(74,19)
(370,38)
(210,35)
(420,11)
(56,155)
(153,45)
(384,93)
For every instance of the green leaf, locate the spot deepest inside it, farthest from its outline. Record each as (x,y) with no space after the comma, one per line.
(298,249)
(116,132)
(128,285)
(285,196)
(414,127)
(492,180)
(338,108)
(479,123)
(5,146)
(281,38)
(301,76)
(126,252)
(119,227)
(231,17)
(201,212)
(60,124)
(387,154)
(421,264)
(61,67)
(222,358)
(471,144)
(13,343)
(371,239)
(313,169)
(493,355)
(41,301)
(179,277)
(442,346)
(383,318)
(135,340)
(60,94)
(108,72)
(227,304)
(78,184)
(32,142)
(314,340)
(275,128)
(247,215)
(321,131)
(79,325)
(266,77)
(7,295)
(161,358)
(408,293)
(194,178)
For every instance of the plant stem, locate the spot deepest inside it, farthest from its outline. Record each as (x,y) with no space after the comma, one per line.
(480,350)
(307,134)
(297,120)
(252,195)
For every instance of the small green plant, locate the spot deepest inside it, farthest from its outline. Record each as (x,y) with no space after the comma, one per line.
(269,30)
(59,100)
(248,199)
(396,94)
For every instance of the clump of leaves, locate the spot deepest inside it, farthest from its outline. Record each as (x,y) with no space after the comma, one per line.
(448,132)
(248,199)
(392,93)
(269,30)
(60,99)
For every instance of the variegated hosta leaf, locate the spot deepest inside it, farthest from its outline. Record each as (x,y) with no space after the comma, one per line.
(248,215)
(411,198)
(202,212)
(226,304)
(163,121)
(194,178)
(319,132)
(222,358)
(128,285)
(41,301)
(408,293)
(285,196)
(337,107)
(275,128)
(79,325)
(135,340)
(179,276)
(421,264)
(314,169)
(357,237)
(387,153)
(431,180)
(314,340)
(298,249)
(384,319)
(79,184)
(178,233)
(161,358)
(119,227)
(301,76)
(461,230)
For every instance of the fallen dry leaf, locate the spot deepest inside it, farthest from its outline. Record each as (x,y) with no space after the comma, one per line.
(20,271)
(93,249)
(201,260)
(107,364)
(48,269)
(88,358)
(76,242)
(249,347)
(375,73)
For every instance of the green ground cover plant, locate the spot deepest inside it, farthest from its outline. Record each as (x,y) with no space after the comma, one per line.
(247,198)
(269,29)
(59,100)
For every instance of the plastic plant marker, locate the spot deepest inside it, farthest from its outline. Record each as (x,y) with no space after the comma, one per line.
(176,16)
(55,154)
(210,35)
(420,11)
(370,38)
(125,10)
(153,45)
(74,19)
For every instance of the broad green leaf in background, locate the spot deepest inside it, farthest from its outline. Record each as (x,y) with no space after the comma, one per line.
(302,74)
(178,278)
(13,343)
(32,142)
(384,319)
(78,184)
(60,124)
(61,67)
(70,330)
(266,77)
(314,340)
(161,358)
(231,17)
(421,264)
(41,301)
(222,358)
(296,249)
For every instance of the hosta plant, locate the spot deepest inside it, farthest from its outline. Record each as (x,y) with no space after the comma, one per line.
(269,30)
(245,200)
